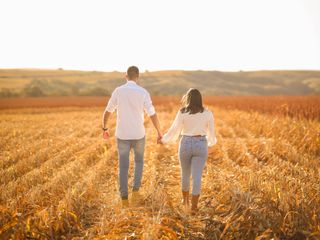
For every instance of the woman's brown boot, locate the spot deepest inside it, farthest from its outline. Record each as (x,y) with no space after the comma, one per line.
(194,204)
(185,198)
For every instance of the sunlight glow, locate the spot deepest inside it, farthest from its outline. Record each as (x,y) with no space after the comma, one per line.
(190,35)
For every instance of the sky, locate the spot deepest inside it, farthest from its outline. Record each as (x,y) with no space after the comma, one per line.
(110,35)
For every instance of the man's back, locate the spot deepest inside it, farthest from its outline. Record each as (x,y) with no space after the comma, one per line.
(130,100)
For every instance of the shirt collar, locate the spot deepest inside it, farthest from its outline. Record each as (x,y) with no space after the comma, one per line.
(131,82)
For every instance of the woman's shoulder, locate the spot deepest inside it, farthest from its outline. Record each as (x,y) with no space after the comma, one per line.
(207,112)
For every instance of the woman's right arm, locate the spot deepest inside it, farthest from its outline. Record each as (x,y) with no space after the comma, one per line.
(175,129)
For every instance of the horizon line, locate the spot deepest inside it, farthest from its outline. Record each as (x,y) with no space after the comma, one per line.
(158,70)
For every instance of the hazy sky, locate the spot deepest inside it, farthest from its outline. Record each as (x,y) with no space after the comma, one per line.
(164,34)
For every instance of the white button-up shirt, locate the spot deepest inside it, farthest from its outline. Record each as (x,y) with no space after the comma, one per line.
(191,125)
(130,100)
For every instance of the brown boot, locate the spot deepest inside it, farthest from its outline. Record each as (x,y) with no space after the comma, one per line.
(194,204)
(125,203)
(185,198)
(137,198)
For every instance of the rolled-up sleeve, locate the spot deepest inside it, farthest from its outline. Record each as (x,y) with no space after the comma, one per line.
(113,102)
(211,136)
(148,106)
(174,131)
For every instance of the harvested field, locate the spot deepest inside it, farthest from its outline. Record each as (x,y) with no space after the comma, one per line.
(59,177)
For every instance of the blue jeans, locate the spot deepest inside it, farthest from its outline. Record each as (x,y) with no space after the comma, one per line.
(124,147)
(193,153)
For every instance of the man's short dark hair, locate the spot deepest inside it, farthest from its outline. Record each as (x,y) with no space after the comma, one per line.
(133,72)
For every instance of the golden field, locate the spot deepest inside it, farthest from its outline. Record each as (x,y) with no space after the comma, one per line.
(59,178)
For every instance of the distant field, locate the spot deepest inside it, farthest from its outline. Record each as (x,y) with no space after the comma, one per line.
(307,107)
(36,82)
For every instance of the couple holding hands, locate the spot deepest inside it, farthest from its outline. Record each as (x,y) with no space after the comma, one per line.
(193,122)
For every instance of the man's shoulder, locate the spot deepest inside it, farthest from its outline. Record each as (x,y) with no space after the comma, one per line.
(133,88)
(143,89)
(119,88)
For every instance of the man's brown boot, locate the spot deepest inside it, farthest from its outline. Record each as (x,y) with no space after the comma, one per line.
(137,198)
(194,204)
(124,202)
(185,198)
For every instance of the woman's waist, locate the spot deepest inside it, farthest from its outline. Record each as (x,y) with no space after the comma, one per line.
(193,132)
(193,136)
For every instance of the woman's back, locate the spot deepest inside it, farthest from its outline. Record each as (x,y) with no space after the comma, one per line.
(201,123)
(195,124)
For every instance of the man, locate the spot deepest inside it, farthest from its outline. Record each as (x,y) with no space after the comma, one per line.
(130,100)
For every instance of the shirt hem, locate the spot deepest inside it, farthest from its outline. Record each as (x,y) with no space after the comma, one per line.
(130,138)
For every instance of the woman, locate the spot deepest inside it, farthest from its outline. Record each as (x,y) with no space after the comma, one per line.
(196,125)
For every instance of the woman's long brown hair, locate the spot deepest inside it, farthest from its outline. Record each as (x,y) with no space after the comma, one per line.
(192,102)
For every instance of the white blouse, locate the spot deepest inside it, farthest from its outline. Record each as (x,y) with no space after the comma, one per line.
(191,125)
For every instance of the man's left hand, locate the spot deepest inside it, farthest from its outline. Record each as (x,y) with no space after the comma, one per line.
(159,139)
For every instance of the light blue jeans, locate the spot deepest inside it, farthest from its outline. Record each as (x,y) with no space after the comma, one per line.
(124,147)
(193,154)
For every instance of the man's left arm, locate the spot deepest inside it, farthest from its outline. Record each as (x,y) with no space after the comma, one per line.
(156,124)
(149,108)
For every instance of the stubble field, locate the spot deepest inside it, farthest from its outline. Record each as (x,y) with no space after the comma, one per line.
(59,178)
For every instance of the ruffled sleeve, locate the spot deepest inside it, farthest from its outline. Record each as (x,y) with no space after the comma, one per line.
(175,129)
(211,136)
